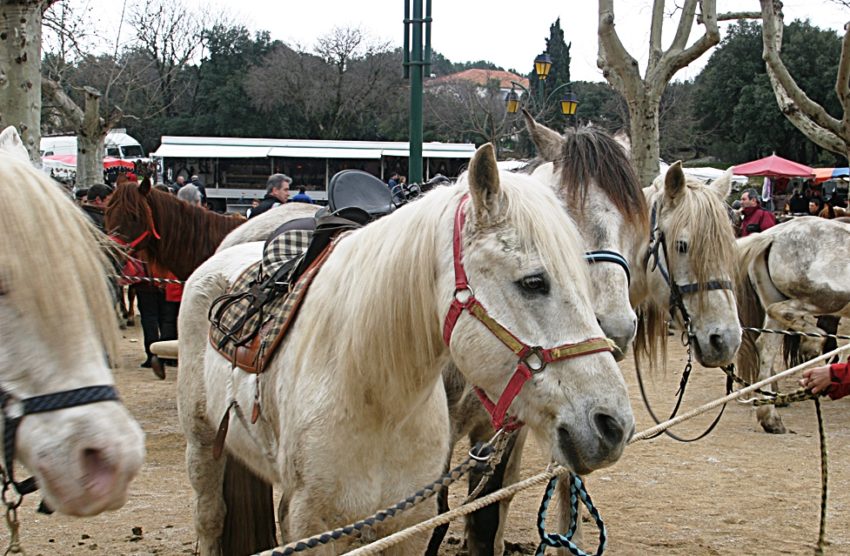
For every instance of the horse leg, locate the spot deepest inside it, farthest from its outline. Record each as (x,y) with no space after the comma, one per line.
(485,528)
(206,475)
(131,301)
(767,345)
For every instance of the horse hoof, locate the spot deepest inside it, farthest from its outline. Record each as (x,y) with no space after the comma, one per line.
(773,427)
(158,368)
(131,322)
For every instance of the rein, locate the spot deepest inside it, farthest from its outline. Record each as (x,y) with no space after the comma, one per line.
(532,359)
(657,247)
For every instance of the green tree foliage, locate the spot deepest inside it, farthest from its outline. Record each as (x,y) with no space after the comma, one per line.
(219,107)
(736,104)
(348,89)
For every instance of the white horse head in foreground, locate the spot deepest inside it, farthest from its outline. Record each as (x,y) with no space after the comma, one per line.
(57,333)
(354,415)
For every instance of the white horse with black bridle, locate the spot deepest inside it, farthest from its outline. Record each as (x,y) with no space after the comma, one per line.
(61,416)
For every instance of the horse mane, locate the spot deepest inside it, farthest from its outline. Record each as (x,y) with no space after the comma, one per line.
(713,255)
(53,263)
(189,234)
(590,155)
(751,313)
(401,253)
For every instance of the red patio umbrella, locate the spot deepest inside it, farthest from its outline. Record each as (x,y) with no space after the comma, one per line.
(69,162)
(775,167)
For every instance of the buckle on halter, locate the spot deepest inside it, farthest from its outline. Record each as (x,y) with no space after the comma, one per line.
(534,360)
(463,295)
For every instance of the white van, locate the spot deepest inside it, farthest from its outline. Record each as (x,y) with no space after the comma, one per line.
(117,145)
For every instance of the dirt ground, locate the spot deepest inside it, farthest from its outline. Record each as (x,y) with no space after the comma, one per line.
(739,491)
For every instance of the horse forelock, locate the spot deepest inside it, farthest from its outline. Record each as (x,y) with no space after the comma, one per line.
(53,265)
(530,203)
(592,156)
(711,244)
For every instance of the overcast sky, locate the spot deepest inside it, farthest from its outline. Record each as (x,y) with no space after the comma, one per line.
(509,33)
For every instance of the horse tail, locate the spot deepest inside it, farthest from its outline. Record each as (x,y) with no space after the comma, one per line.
(791,345)
(249,524)
(751,313)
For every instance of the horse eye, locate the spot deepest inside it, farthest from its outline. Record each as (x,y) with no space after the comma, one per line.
(682,246)
(535,284)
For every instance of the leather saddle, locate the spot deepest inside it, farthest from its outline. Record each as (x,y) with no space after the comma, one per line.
(356,188)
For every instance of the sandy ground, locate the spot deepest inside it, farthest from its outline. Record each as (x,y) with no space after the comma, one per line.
(739,491)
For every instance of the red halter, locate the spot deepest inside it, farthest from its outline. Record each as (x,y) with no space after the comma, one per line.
(532,359)
(132,245)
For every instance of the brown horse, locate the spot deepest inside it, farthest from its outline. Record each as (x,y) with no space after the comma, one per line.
(164,230)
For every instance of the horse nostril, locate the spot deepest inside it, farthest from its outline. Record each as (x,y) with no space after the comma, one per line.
(99,474)
(716,341)
(609,429)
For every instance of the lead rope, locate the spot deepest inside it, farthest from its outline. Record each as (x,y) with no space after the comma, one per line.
(555,540)
(12,522)
(824,480)
(479,458)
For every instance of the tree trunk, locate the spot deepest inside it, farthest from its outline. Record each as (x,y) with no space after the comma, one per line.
(643,116)
(20,70)
(90,140)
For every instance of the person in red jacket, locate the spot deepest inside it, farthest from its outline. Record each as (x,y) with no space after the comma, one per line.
(756,219)
(833,379)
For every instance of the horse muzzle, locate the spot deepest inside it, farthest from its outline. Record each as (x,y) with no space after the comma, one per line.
(597,443)
(717,347)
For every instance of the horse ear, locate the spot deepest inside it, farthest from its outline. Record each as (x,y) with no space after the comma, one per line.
(145,186)
(484,185)
(10,143)
(549,143)
(674,181)
(723,185)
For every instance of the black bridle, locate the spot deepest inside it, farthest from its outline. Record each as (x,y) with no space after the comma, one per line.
(606,256)
(657,247)
(14,410)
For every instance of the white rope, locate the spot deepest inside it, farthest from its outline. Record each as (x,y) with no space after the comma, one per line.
(735,395)
(543,477)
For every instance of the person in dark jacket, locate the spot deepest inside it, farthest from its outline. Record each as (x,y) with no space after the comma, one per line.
(277,193)
(756,219)
(94,204)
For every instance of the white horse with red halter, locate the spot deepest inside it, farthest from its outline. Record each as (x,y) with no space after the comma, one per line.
(354,413)
(61,416)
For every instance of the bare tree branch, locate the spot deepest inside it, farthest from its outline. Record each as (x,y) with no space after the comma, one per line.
(807,115)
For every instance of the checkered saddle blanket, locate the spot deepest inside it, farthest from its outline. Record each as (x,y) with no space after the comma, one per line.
(250,321)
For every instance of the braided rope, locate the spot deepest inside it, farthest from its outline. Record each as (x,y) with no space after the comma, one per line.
(824,480)
(141,279)
(355,529)
(556,540)
(544,477)
(643,435)
(444,518)
(795,333)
